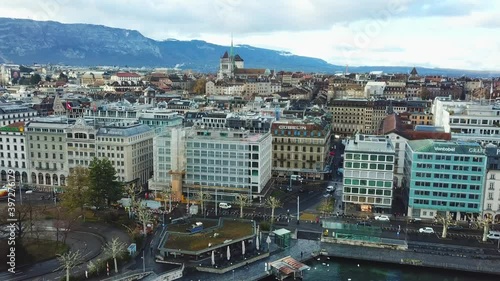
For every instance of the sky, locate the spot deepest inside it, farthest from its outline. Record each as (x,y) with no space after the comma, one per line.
(460,34)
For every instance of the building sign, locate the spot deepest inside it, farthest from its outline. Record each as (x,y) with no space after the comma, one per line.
(292,127)
(476,150)
(444,149)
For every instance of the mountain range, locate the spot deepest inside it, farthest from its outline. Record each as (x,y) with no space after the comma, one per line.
(28,41)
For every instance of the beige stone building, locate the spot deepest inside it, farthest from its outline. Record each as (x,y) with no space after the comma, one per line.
(301,148)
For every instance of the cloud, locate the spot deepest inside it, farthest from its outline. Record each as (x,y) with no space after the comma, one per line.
(362,32)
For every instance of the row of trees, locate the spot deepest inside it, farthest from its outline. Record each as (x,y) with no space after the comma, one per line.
(447,221)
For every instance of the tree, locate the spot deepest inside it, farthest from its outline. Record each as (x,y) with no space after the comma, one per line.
(103,185)
(35,79)
(114,250)
(133,194)
(144,217)
(273,203)
(200,86)
(68,261)
(326,206)
(166,194)
(76,192)
(63,77)
(445,221)
(242,200)
(202,197)
(485,223)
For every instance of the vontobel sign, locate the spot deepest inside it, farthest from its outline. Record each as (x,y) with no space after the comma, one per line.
(444,149)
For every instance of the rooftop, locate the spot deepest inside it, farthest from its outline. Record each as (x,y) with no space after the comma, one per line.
(125,131)
(449,147)
(371,143)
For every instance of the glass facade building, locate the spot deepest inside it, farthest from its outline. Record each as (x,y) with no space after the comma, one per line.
(444,177)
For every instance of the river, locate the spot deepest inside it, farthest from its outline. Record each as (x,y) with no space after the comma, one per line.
(351,270)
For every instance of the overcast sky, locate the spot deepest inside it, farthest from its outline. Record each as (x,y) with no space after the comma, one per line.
(432,33)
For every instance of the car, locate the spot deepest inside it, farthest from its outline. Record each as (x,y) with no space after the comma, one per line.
(330,189)
(223,205)
(428,230)
(493,235)
(455,227)
(363,223)
(382,218)
(415,220)
(29,191)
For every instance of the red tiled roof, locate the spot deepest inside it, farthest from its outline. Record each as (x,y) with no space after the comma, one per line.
(127,74)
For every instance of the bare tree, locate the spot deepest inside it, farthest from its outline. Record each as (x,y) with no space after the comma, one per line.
(242,200)
(68,261)
(202,197)
(273,203)
(484,223)
(445,221)
(166,194)
(144,217)
(114,250)
(133,194)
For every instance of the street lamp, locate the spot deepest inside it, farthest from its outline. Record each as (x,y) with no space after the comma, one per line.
(143,260)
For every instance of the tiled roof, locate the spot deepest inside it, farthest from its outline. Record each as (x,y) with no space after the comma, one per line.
(260,71)
(127,74)
(226,55)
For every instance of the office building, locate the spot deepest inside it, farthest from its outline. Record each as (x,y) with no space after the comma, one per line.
(444,177)
(491,202)
(227,162)
(368,174)
(13,153)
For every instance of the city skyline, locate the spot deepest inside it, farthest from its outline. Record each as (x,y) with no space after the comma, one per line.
(377,33)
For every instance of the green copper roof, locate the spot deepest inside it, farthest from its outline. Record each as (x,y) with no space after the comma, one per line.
(448,147)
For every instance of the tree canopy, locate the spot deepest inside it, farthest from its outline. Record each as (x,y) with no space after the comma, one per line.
(104,187)
(76,192)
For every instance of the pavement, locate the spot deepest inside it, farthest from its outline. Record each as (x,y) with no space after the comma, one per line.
(88,238)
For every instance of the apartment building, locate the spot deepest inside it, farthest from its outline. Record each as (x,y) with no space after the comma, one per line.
(444,177)
(13,153)
(226,162)
(13,113)
(491,203)
(363,116)
(301,148)
(47,152)
(56,146)
(368,174)
(130,150)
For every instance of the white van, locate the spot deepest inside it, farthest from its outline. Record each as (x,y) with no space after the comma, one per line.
(223,205)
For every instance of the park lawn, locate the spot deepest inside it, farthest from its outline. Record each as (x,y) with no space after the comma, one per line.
(231,230)
(44,249)
(207,223)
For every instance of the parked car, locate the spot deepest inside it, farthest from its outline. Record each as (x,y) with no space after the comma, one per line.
(382,218)
(330,189)
(428,230)
(455,227)
(364,223)
(223,205)
(493,235)
(415,220)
